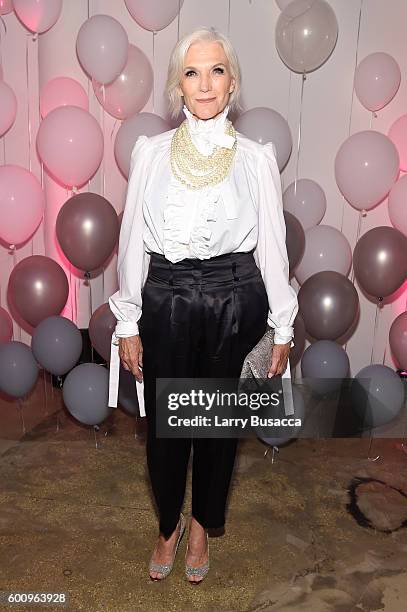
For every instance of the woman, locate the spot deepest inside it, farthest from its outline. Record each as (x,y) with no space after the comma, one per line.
(202,269)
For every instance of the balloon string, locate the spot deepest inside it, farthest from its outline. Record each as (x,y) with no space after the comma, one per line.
(376,320)
(103,130)
(304,77)
(178,18)
(229,18)
(28,102)
(20,405)
(154,35)
(88,84)
(353,93)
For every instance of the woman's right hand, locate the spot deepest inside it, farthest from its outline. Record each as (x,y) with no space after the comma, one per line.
(131,355)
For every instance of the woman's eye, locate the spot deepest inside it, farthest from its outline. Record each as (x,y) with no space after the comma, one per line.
(189,72)
(221,70)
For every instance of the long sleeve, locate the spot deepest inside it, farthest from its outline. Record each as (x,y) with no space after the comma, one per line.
(132,262)
(271,252)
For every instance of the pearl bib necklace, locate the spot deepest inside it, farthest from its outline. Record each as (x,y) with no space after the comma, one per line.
(194,169)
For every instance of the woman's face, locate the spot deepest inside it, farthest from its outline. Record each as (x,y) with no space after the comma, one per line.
(206,76)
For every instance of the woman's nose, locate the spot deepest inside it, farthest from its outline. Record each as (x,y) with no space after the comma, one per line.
(205,83)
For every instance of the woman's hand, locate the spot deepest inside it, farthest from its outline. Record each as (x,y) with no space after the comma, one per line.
(279,359)
(131,355)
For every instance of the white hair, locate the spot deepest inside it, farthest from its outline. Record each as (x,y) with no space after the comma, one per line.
(176,65)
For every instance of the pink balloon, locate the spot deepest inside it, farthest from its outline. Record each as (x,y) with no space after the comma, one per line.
(62,91)
(154,15)
(22,204)
(148,124)
(398,135)
(38,288)
(102,47)
(366,167)
(38,15)
(6,326)
(70,143)
(129,93)
(6,6)
(398,204)
(377,79)
(398,339)
(8,106)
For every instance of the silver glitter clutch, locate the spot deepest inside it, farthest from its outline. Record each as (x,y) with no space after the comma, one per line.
(257,363)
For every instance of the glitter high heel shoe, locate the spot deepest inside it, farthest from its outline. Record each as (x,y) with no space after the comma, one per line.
(165,568)
(201,570)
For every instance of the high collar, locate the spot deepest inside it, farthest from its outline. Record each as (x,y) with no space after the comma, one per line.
(206,133)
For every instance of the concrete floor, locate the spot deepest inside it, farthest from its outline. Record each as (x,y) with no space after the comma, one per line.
(79,519)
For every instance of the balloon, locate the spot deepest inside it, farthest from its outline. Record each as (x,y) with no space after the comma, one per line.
(329,304)
(326,248)
(87,229)
(22,204)
(102,46)
(295,241)
(154,15)
(101,326)
(398,135)
(380,260)
(6,6)
(377,79)
(283,3)
(326,364)
(307,202)
(130,92)
(62,91)
(6,326)
(264,125)
(38,287)
(299,413)
(377,395)
(306,34)
(8,105)
(398,205)
(148,124)
(57,344)
(366,166)
(70,143)
(299,341)
(18,369)
(38,15)
(85,393)
(398,339)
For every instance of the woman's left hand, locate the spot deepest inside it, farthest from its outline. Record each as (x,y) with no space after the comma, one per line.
(279,359)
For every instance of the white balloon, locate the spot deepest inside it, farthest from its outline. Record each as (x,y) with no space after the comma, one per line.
(154,15)
(306,34)
(307,202)
(326,248)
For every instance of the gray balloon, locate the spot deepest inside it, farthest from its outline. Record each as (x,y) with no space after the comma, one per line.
(326,364)
(57,344)
(380,260)
(85,393)
(329,304)
(18,369)
(87,229)
(299,341)
(377,395)
(299,413)
(295,241)
(398,339)
(101,327)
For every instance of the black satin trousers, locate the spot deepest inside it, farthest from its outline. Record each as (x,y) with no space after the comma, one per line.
(200,318)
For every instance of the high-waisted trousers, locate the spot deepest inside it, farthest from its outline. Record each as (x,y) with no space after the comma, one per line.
(200,318)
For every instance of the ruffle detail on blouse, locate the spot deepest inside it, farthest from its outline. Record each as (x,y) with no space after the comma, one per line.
(186,221)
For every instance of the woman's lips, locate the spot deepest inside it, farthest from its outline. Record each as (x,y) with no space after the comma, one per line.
(205,101)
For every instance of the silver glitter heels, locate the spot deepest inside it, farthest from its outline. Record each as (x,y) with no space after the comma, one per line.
(201,570)
(165,568)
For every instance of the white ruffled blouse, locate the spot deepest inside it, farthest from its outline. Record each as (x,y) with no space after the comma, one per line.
(162,215)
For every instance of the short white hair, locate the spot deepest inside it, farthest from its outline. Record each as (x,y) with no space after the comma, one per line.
(176,65)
